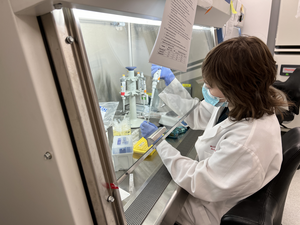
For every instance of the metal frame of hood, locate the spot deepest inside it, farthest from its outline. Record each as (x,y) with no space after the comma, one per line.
(75,80)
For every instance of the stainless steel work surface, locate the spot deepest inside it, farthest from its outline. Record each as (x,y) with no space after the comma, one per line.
(145,171)
(154,189)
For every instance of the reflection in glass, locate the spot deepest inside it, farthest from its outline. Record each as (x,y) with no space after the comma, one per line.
(113,43)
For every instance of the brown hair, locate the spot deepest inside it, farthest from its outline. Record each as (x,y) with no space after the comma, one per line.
(244,70)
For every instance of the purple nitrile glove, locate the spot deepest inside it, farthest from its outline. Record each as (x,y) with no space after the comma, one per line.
(166,74)
(147,129)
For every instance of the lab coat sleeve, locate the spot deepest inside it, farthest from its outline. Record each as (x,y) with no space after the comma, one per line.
(180,101)
(232,172)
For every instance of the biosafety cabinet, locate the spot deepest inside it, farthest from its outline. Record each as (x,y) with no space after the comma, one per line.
(99,57)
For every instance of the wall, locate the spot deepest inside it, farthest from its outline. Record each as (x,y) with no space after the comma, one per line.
(257,18)
(288,35)
(288,25)
(33,190)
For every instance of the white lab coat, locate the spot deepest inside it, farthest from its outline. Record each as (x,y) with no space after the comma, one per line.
(236,159)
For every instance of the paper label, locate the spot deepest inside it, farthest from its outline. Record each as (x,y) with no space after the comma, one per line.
(232,7)
(288,70)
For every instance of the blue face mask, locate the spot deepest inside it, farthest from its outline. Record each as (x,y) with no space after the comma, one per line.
(213,100)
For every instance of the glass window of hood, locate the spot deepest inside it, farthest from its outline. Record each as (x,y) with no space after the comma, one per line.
(114,42)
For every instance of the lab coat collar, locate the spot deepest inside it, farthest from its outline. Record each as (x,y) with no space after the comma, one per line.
(215,116)
(212,129)
(224,124)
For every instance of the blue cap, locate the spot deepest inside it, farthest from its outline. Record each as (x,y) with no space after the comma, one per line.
(130,68)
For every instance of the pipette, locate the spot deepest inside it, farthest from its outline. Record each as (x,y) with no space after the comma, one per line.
(143,88)
(123,90)
(155,80)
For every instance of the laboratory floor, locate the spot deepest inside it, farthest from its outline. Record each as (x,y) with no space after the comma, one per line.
(291,215)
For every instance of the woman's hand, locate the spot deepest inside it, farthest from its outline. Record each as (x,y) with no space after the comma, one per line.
(147,129)
(166,73)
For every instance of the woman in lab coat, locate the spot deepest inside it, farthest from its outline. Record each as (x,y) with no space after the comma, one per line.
(237,155)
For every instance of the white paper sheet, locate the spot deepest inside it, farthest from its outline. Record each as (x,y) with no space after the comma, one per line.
(172,45)
(229,28)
